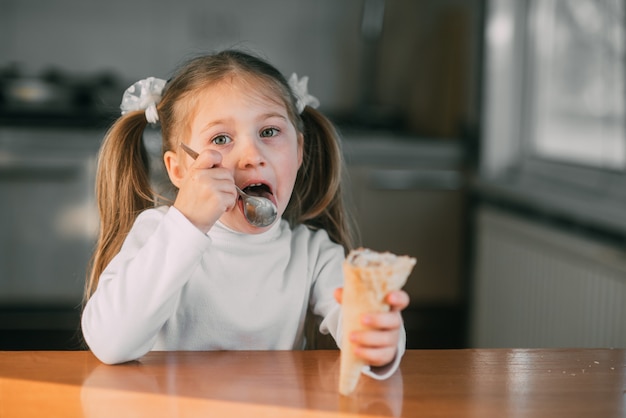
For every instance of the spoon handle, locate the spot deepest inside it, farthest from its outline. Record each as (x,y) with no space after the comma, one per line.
(189,151)
(241,192)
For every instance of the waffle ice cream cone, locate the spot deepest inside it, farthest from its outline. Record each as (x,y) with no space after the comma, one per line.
(368,277)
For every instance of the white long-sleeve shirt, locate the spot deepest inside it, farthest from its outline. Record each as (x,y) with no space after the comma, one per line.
(172,287)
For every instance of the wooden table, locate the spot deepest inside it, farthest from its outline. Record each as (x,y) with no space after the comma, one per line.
(430,383)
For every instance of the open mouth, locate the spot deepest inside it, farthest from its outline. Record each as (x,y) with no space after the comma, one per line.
(259,189)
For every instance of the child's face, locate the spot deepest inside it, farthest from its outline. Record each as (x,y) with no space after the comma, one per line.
(257,141)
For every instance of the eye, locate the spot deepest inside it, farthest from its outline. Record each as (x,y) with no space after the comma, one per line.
(221,140)
(269,132)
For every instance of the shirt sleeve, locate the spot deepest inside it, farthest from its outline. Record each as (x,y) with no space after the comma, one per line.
(139,290)
(326,258)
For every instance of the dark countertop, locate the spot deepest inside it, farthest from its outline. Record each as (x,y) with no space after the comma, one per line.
(401,150)
(48,118)
(589,212)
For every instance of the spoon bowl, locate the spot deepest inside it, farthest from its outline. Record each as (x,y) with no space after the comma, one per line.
(259,211)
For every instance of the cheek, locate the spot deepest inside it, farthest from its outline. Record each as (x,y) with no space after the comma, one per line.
(287,171)
(291,165)
(300,150)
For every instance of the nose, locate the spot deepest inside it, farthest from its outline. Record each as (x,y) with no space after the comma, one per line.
(251,154)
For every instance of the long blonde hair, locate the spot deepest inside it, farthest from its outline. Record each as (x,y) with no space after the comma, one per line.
(123,187)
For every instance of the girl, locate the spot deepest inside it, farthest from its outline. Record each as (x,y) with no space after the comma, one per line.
(196,275)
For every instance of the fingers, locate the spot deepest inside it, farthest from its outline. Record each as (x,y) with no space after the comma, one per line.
(376,338)
(382,332)
(398,300)
(207,190)
(377,344)
(382,320)
(376,347)
(207,171)
(376,356)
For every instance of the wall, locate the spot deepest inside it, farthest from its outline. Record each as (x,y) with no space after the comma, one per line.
(423,61)
(539,286)
(144,37)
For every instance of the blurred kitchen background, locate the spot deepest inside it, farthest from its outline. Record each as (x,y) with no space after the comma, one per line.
(484,137)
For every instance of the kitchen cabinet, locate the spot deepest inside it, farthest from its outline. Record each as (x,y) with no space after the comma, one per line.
(407,196)
(49,221)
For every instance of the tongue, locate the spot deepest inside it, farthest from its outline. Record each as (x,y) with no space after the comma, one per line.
(258,191)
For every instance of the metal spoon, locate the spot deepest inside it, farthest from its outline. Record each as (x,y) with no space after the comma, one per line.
(258,211)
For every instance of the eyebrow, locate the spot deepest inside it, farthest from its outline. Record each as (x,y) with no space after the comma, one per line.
(212,124)
(261,118)
(273,115)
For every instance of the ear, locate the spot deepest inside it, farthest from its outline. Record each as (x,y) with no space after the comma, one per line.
(174,167)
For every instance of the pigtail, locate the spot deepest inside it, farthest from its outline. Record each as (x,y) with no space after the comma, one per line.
(122,190)
(317,200)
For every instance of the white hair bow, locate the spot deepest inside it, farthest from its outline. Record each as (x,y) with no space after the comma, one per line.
(300,90)
(144,95)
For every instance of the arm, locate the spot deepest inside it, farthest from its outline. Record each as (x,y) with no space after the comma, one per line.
(139,289)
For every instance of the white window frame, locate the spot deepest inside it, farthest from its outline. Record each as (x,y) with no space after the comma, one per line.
(507,168)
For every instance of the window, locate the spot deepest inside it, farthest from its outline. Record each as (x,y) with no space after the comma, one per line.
(554,112)
(576,82)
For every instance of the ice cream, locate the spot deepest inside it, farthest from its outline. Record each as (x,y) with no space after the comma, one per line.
(368,277)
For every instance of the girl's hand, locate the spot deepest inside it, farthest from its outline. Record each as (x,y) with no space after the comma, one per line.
(377,345)
(207,190)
